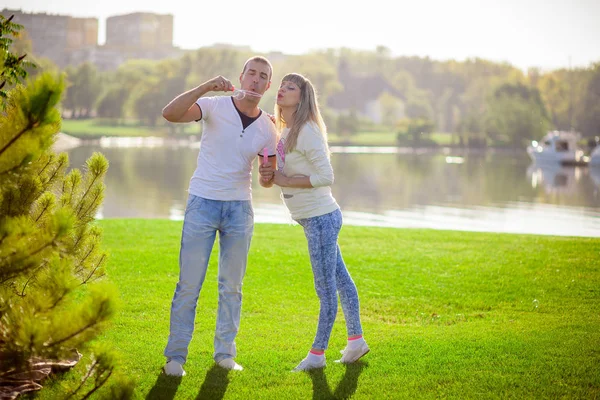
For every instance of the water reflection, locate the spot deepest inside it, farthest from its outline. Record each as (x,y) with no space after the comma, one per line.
(496,192)
(554,178)
(595,175)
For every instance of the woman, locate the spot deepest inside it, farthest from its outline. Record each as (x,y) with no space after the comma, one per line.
(305,175)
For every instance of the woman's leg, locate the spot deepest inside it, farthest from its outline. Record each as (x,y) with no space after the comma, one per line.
(348,297)
(357,347)
(321,233)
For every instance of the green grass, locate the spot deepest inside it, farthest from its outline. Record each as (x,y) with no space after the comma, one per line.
(383,138)
(96,127)
(92,128)
(447,314)
(364,139)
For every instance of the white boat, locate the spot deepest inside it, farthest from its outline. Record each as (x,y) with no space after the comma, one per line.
(558,147)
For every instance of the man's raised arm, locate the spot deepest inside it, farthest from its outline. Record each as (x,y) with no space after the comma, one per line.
(183,108)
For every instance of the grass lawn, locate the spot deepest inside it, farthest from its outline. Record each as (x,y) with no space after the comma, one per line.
(363,139)
(95,127)
(447,314)
(382,139)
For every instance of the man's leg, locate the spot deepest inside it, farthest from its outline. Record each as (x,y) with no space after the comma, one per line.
(197,240)
(235,234)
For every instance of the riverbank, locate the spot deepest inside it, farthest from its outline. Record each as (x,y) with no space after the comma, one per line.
(90,129)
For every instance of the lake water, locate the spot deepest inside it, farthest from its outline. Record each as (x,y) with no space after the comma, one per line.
(444,189)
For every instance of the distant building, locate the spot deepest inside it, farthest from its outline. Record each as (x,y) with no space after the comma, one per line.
(72,41)
(229,46)
(56,36)
(144,30)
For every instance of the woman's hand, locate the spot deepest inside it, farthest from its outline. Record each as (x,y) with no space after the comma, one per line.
(298,181)
(280,179)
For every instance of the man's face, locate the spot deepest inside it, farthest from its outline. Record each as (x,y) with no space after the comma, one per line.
(256,77)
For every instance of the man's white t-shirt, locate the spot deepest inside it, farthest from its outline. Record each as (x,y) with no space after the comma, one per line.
(227,150)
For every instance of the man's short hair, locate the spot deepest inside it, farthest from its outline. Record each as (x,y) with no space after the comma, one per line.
(259,59)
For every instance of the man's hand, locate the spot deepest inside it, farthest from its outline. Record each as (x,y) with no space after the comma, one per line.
(266,172)
(219,84)
(183,108)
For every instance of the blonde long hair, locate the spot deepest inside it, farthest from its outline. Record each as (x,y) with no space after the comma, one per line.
(307,111)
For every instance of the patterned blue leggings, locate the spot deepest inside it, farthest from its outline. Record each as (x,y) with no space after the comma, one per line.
(331,276)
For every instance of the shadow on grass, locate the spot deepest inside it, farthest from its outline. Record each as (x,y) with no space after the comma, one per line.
(344,390)
(164,388)
(215,384)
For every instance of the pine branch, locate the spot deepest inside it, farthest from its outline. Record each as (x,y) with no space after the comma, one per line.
(53,241)
(94,270)
(64,188)
(12,169)
(78,239)
(13,274)
(59,299)
(92,203)
(72,335)
(50,243)
(82,262)
(68,188)
(85,379)
(13,287)
(54,175)
(81,201)
(46,208)
(22,294)
(98,385)
(10,197)
(41,171)
(32,123)
(25,195)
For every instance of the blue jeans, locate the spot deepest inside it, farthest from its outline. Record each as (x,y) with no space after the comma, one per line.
(331,276)
(234,220)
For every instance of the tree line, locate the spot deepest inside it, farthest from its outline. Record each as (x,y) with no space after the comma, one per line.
(477,101)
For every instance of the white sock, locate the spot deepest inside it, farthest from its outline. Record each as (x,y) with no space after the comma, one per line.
(355,343)
(315,358)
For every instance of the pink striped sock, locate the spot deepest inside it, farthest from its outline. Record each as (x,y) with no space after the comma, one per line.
(355,342)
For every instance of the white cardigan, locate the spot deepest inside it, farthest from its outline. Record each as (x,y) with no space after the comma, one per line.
(309,158)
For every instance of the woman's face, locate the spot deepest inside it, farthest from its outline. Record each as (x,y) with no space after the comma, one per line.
(288,94)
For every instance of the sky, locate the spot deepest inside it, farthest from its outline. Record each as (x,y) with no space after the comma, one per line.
(526,33)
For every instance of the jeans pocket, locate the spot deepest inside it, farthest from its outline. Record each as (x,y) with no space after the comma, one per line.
(192,203)
(338,219)
(247,207)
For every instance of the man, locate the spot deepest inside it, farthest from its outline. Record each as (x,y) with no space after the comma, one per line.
(234,133)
